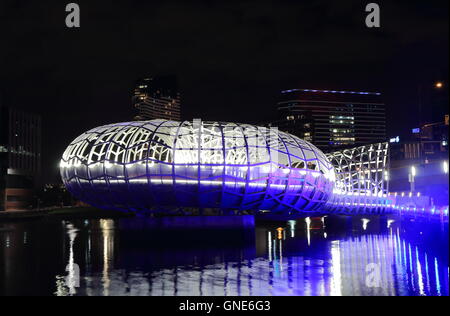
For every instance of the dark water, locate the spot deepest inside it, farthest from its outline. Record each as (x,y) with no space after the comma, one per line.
(318,257)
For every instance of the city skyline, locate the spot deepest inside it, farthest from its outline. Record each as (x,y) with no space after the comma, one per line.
(239,65)
(224,150)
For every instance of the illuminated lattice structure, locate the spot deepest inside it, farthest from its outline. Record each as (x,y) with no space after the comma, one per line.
(140,166)
(361,179)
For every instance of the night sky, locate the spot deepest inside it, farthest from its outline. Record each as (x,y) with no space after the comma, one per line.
(231,59)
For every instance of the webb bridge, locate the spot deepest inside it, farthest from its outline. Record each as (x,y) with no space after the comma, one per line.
(164,166)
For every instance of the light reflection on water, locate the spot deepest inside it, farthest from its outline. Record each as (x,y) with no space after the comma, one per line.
(291,258)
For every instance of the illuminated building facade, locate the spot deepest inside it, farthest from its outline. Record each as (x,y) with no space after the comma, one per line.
(333,119)
(20,154)
(157,98)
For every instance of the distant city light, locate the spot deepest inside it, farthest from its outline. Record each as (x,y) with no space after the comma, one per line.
(439,85)
(395,140)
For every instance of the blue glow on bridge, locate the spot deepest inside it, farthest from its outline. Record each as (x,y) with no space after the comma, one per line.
(140,166)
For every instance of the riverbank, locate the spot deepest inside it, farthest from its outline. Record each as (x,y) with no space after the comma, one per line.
(68,212)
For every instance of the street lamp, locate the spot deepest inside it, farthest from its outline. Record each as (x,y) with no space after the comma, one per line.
(437,85)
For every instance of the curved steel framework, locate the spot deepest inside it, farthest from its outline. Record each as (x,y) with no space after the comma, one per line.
(361,179)
(142,165)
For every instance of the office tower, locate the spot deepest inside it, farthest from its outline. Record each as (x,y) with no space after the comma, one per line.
(20,155)
(157,98)
(332,119)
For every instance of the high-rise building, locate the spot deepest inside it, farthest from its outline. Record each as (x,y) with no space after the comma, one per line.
(157,98)
(20,156)
(332,119)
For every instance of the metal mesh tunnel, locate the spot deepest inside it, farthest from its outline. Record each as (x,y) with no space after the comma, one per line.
(361,185)
(140,166)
